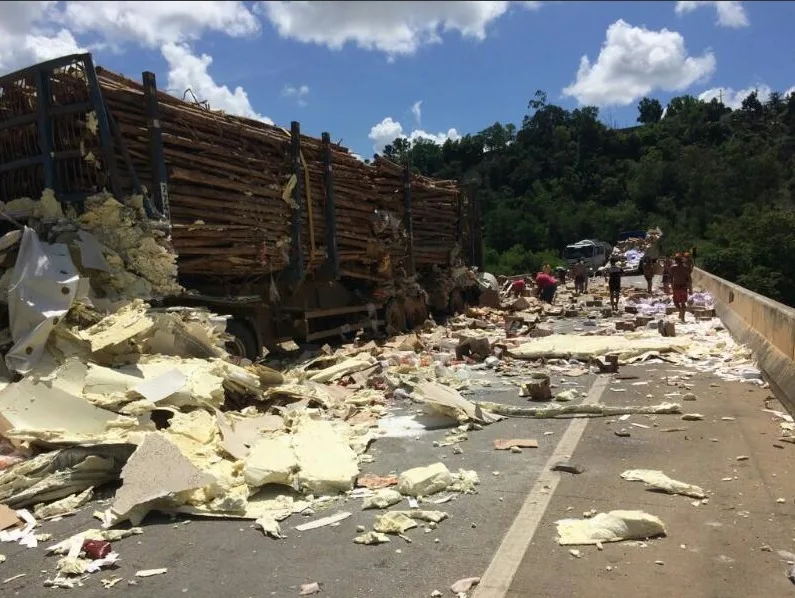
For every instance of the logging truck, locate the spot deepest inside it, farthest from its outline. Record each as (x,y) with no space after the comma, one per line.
(291,236)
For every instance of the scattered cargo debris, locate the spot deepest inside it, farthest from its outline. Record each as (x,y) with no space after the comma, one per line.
(615,526)
(107,384)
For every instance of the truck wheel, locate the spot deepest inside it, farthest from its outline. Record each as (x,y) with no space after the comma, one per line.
(244,341)
(395,316)
(416,312)
(457,304)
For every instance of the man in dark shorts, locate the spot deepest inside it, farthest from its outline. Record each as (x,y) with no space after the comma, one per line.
(688,262)
(681,283)
(580,277)
(666,274)
(648,272)
(613,275)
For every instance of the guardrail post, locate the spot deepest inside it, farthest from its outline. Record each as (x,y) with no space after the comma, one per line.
(408,224)
(156,154)
(296,253)
(331,218)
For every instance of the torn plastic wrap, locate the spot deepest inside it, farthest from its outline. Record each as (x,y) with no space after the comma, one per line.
(43,287)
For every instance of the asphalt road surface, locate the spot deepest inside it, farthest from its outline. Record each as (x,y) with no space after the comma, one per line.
(736,544)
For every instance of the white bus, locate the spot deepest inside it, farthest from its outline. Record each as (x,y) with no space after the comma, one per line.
(593,253)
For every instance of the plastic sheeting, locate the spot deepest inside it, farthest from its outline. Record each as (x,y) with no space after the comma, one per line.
(43,287)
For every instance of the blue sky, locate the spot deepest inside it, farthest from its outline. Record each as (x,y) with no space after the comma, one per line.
(368,71)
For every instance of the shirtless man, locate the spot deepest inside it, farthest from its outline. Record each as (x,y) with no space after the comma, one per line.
(682,284)
(688,262)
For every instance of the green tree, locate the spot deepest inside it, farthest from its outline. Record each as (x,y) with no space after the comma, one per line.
(720,179)
(649,111)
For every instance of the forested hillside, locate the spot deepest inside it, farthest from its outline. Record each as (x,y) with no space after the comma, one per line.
(709,176)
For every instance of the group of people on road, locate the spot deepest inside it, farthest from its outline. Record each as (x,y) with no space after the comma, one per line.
(546,285)
(676,279)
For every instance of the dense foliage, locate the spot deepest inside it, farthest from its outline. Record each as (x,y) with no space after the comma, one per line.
(720,179)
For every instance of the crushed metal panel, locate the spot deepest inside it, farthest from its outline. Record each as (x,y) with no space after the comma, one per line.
(43,287)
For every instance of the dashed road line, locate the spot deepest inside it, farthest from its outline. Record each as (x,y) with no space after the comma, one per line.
(498,578)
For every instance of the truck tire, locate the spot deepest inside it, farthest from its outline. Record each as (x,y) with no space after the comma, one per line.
(416,312)
(395,316)
(457,304)
(244,342)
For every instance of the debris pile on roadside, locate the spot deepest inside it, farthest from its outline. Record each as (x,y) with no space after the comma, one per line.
(631,251)
(103,387)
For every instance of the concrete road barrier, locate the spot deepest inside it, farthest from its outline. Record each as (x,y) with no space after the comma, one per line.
(764,325)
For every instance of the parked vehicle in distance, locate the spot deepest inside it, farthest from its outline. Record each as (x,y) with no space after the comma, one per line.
(594,253)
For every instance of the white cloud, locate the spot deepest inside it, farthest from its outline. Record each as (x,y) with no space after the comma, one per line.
(416,111)
(633,62)
(388,130)
(730,14)
(25,41)
(298,92)
(155,23)
(734,99)
(187,70)
(391,27)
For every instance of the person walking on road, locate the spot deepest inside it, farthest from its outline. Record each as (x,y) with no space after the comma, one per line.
(682,284)
(688,261)
(666,275)
(580,276)
(613,275)
(648,272)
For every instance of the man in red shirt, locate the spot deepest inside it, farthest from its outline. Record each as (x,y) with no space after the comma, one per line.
(518,287)
(547,284)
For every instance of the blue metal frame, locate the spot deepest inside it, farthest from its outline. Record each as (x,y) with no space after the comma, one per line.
(330,207)
(44,123)
(296,253)
(408,223)
(109,133)
(105,136)
(156,153)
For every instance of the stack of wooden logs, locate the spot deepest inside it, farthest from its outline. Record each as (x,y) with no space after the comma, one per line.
(230,181)
(226,178)
(434,211)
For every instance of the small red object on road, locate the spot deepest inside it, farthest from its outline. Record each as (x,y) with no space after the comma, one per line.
(96,549)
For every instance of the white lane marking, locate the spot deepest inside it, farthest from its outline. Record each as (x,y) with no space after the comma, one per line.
(498,577)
